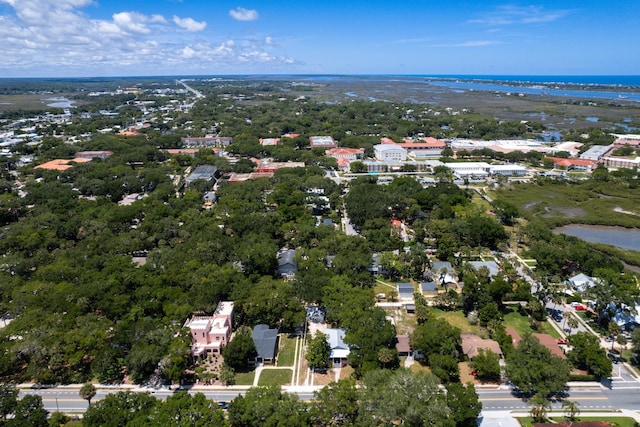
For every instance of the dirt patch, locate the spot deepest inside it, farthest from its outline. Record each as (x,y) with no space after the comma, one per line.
(565,212)
(324,378)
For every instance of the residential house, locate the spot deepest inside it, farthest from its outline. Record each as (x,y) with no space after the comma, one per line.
(403,346)
(627,319)
(581,282)
(444,273)
(287,267)
(405,291)
(316,314)
(551,344)
(428,288)
(209,334)
(472,344)
(339,349)
(492,266)
(266,342)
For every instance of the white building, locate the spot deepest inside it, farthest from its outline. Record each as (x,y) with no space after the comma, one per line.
(384,152)
(508,170)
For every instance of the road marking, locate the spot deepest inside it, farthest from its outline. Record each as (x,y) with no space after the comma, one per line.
(483,399)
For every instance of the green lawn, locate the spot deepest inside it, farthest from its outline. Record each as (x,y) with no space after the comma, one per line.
(457,319)
(275,377)
(287,350)
(245,378)
(522,325)
(619,421)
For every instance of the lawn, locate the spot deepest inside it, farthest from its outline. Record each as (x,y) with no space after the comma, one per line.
(245,378)
(522,325)
(617,421)
(457,319)
(276,377)
(287,350)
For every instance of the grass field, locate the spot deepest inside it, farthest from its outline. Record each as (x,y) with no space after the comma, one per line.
(275,377)
(522,325)
(245,378)
(287,349)
(457,319)
(588,202)
(617,421)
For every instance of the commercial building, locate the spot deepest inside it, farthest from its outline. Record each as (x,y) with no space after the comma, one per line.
(322,142)
(386,152)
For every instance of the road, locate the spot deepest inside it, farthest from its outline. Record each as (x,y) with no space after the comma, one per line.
(621,396)
(190,89)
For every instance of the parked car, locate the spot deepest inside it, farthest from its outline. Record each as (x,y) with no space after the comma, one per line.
(562,341)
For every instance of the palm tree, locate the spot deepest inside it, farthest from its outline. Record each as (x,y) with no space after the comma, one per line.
(540,407)
(622,341)
(614,331)
(87,391)
(386,355)
(573,323)
(572,409)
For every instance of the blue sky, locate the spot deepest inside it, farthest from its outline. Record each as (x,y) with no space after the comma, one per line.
(71,38)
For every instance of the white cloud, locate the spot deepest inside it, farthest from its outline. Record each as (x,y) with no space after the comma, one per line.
(242,14)
(513,15)
(472,43)
(189,24)
(66,38)
(131,22)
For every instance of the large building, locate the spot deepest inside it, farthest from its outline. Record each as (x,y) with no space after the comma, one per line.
(209,334)
(386,152)
(206,173)
(207,141)
(421,147)
(322,142)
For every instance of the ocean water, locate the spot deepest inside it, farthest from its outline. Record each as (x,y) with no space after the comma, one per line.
(625,80)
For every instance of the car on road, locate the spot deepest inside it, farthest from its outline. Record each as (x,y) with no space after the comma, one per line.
(609,339)
(563,341)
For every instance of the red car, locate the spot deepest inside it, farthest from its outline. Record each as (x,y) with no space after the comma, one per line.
(562,341)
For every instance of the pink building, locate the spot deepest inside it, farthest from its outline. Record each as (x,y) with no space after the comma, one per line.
(211,333)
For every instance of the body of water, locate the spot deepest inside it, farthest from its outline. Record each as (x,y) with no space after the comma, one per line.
(60,102)
(623,238)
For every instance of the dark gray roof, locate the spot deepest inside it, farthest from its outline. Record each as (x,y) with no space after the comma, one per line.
(405,290)
(437,266)
(286,257)
(202,172)
(265,340)
(428,286)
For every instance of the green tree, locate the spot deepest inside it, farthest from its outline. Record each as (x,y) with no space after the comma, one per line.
(182,409)
(571,409)
(239,350)
(413,399)
(586,353)
(227,375)
(268,407)
(318,352)
(487,365)
(118,409)
(533,369)
(30,412)
(464,404)
(336,404)
(436,336)
(87,392)
(540,406)
(8,400)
